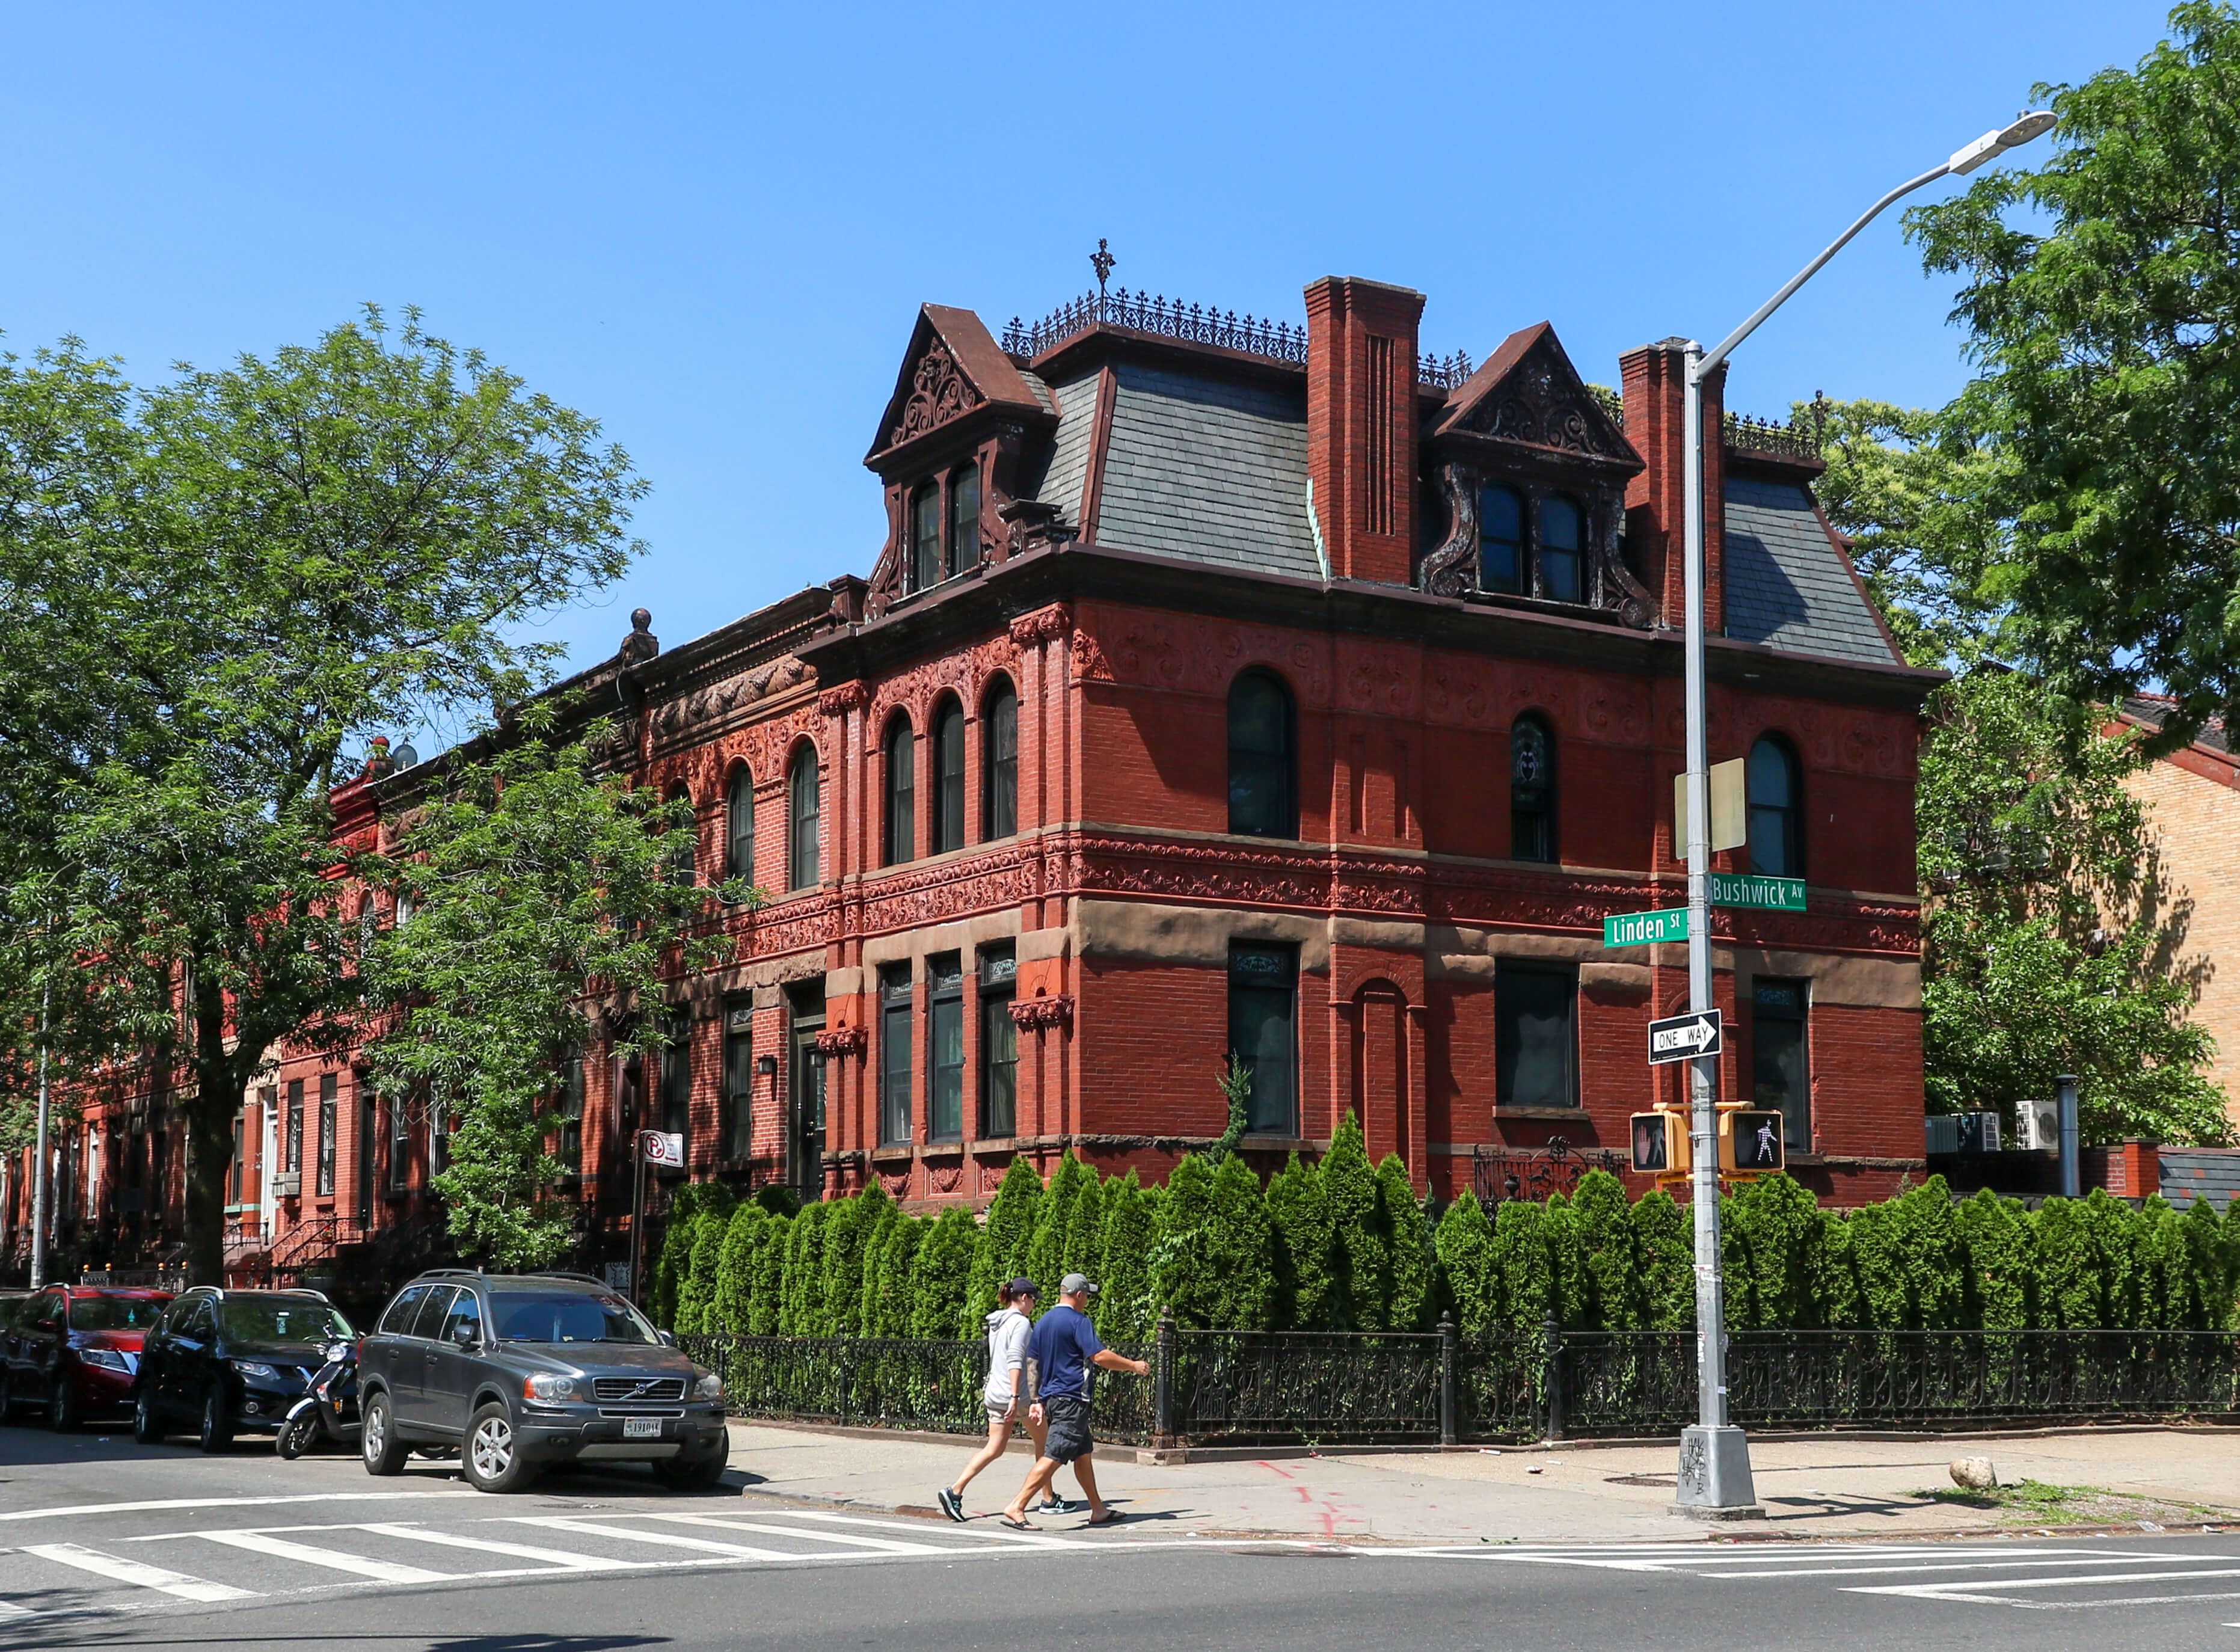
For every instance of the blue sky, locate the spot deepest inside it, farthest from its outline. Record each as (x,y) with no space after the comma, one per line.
(709,227)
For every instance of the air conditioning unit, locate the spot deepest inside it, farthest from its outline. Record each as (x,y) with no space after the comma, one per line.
(1979,1132)
(1943,1132)
(2037,1126)
(288,1186)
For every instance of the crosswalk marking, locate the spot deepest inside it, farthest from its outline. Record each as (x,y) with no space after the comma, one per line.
(561,1557)
(119,1569)
(886,1545)
(1981,1586)
(1942,1566)
(659,1539)
(257,1542)
(992,1533)
(8,1608)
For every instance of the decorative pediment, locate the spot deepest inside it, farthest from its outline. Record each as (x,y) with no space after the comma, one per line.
(951,371)
(1528,392)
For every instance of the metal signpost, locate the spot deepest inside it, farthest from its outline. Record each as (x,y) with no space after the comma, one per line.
(1714,1470)
(652,1147)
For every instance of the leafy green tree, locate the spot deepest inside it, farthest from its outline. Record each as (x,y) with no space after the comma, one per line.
(2102,295)
(2047,945)
(2000,1286)
(1002,1253)
(696,1298)
(1665,1261)
(847,1230)
(672,1263)
(802,1309)
(737,1268)
(1236,1080)
(1773,1228)
(890,1270)
(941,1276)
(1128,1311)
(1045,1261)
(1610,1292)
(1465,1241)
(215,588)
(766,1292)
(1239,1254)
(1526,1269)
(528,875)
(1360,1252)
(2207,1304)
(1083,1248)
(1303,1243)
(1407,1290)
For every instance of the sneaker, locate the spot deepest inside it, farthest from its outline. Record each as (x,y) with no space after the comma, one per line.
(1054,1506)
(951,1504)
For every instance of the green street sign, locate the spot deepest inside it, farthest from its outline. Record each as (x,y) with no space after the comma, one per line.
(1774,894)
(1641,929)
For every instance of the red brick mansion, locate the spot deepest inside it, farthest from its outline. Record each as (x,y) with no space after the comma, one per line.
(1222,687)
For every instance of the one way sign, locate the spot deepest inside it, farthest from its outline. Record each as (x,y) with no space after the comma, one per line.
(1684,1038)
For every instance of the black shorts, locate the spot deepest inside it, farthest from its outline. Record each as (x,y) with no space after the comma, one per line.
(1067,1417)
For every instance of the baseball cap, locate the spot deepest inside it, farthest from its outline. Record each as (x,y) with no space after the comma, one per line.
(1024,1286)
(1072,1283)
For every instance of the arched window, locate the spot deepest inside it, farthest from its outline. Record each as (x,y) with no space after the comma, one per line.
(368,921)
(1531,791)
(964,519)
(902,791)
(1560,538)
(999,761)
(739,826)
(945,828)
(684,845)
(1500,540)
(801,804)
(1777,818)
(1264,800)
(925,537)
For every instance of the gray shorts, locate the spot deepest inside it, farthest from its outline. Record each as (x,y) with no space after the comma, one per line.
(1067,1417)
(997,1408)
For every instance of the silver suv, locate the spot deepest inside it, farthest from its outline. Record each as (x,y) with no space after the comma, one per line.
(520,1370)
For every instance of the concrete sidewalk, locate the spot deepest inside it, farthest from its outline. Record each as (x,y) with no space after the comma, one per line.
(1828,1485)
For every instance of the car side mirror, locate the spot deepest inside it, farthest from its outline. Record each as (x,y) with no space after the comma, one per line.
(668,1338)
(466,1337)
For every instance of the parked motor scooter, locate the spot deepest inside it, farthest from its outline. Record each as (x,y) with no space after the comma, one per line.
(331,1408)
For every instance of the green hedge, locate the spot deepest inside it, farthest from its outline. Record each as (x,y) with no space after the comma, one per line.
(1340,1244)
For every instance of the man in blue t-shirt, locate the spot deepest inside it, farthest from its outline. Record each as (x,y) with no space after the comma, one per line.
(1059,1353)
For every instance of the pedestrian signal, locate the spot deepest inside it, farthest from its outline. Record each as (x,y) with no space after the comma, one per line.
(1660,1143)
(1750,1142)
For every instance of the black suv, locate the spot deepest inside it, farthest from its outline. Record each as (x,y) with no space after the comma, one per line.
(234,1361)
(520,1370)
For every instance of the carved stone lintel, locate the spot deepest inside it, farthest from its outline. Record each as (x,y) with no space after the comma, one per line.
(1034,1014)
(1044,625)
(841,699)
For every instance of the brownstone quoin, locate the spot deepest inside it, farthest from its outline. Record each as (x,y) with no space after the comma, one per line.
(1221,687)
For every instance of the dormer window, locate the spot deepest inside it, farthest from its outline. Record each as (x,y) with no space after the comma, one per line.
(926,536)
(1501,541)
(963,519)
(944,527)
(1560,542)
(1549,561)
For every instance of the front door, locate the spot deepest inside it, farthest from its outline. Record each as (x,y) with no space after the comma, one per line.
(806,1111)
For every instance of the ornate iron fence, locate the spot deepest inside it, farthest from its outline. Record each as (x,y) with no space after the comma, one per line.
(1208,1386)
(1534,1172)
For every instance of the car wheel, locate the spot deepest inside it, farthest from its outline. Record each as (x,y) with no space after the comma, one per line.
(147,1421)
(63,1413)
(694,1474)
(296,1436)
(376,1438)
(216,1433)
(489,1456)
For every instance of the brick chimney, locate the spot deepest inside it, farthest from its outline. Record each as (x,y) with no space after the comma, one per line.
(1656,422)
(1361,424)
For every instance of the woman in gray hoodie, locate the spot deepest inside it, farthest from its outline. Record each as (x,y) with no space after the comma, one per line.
(1003,1397)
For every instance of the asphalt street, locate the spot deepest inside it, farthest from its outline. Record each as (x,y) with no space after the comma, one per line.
(105,1543)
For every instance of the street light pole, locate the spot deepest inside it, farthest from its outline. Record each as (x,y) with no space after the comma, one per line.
(1714,1470)
(39,1177)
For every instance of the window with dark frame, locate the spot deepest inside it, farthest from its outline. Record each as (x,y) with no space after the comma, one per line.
(803,805)
(895,996)
(1535,1035)
(329,1088)
(944,976)
(964,520)
(295,1159)
(902,792)
(233,1168)
(1263,1017)
(738,1127)
(439,1140)
(739,826)
(676,1106)
(1781,1062)
(684,843)
(1769,780)
(1531,791)
(945,827)
(1262,758)
(1561,536)
(999,759)
(572,1112)
(925,537)
(1500,540)
(400,1143)
(999,1045)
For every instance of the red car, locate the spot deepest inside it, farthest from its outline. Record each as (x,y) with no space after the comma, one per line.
(74,1350)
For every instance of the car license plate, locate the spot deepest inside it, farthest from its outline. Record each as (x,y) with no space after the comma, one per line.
(641,1428)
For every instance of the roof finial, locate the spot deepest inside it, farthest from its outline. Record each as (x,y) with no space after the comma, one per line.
(1102,261)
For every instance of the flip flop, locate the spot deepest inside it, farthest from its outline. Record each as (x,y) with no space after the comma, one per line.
(1016,1525)
(1112,1517)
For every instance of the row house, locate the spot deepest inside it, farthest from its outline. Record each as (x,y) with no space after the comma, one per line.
(1226,689)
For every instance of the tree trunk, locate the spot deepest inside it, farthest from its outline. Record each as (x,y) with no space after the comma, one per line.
(219,1077)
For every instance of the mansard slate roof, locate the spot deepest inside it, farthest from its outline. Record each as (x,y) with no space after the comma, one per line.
(1788,584)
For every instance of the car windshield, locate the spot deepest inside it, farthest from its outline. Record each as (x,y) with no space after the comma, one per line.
(565,1316)
(268,1320)
(117,1313)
